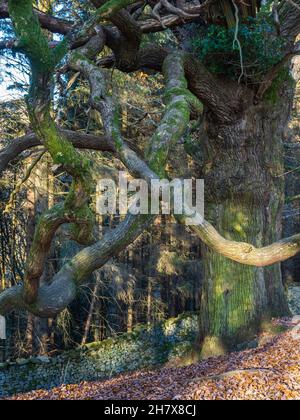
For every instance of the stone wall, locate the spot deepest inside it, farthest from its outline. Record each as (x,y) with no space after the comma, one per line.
(143,348)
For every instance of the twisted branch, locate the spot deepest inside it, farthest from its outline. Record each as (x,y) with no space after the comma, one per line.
(16,147)
(53,298)
(33,43)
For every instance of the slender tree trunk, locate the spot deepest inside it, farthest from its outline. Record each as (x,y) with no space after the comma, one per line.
(88,322)
(243,167)
(149,301)
(37,333)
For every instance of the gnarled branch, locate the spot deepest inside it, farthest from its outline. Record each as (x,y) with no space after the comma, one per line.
(79,140)
(33,43)
(52,299)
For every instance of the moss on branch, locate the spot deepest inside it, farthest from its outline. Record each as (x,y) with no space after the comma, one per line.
(31,39)
(179,101)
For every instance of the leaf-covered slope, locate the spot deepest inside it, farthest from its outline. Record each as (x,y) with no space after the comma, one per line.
(271,371)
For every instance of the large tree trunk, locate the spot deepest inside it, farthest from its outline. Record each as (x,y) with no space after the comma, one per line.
(243,167)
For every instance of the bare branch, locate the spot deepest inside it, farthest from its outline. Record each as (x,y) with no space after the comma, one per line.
(193,14)
(51,23)
(276,17)
(155,13)
(245,253)
(55,297)
(176,10)
(79,140)
(289,18)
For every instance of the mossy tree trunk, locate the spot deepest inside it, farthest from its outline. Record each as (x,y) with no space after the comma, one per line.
(243,168)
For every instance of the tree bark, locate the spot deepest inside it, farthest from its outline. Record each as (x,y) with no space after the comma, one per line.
(243,164)
(37,334)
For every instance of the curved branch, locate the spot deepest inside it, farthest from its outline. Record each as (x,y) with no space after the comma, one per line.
(165,136)
(155,13)
(124,42)
(246,253)
(227,101)
(53,298)
(123,20)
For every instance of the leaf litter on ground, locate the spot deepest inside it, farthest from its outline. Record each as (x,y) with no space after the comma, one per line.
(268,372)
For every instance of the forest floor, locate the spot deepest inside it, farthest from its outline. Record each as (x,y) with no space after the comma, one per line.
(270,371)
